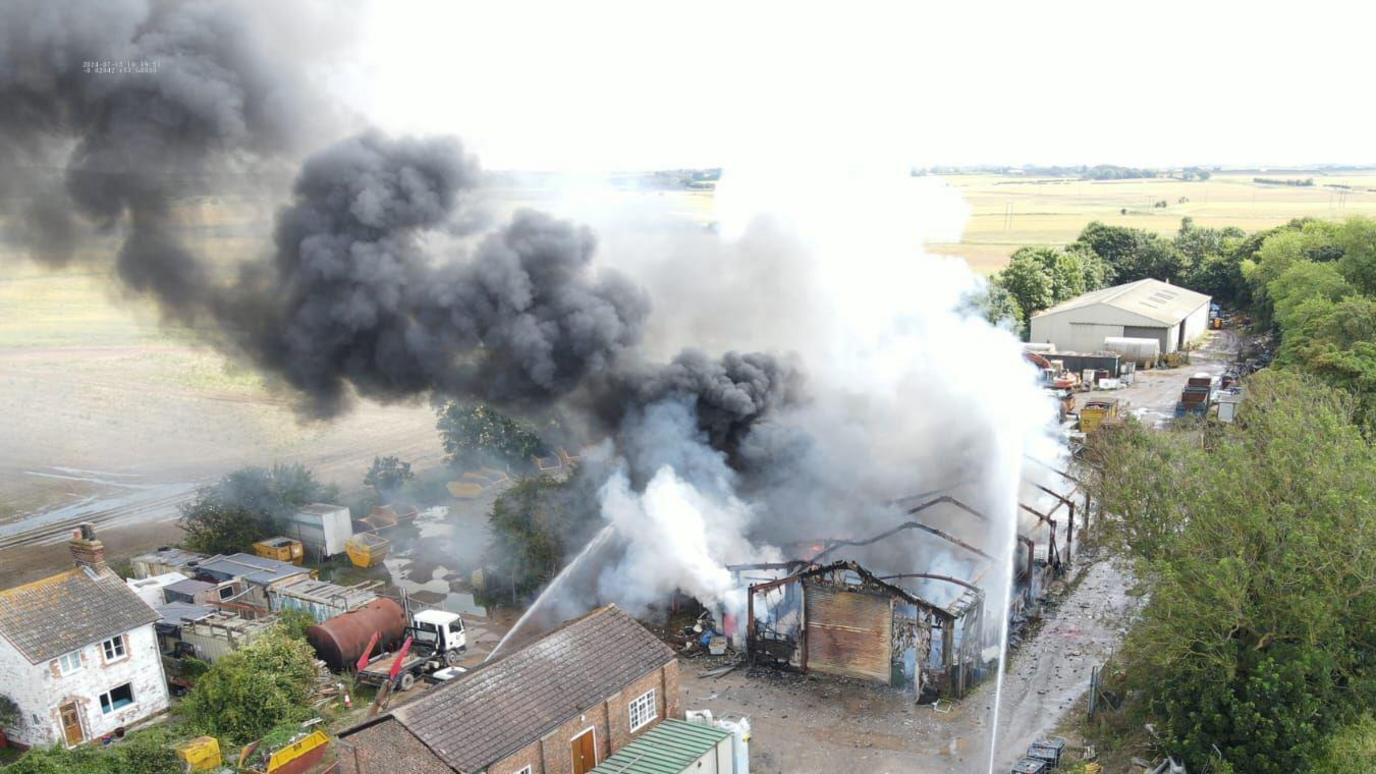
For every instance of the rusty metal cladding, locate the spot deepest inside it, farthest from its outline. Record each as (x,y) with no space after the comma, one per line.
(849,633)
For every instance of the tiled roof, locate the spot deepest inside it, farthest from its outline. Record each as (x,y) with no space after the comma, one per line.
(386,747)
(497,709)
(63,612)
(668,748)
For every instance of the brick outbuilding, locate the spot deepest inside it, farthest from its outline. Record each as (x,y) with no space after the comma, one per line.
(560,705)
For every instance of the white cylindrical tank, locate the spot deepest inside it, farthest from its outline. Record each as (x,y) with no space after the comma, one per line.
(1140,351)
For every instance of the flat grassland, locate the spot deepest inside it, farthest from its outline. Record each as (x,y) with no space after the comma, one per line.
(1008,212)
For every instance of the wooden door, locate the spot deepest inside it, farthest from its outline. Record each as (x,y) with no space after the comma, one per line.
(71,724)
(584,749)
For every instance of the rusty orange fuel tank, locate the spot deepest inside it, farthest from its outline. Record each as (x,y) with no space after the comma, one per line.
(340,641)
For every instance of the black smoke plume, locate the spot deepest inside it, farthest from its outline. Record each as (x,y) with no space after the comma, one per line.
(379,283)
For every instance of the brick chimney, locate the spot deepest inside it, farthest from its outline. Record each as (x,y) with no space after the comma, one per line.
(87,551)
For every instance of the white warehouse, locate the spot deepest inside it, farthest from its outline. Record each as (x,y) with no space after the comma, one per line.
(1145,309)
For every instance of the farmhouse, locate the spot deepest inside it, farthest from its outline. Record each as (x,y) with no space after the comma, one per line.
(564,703)
(1145,309)
(78,653)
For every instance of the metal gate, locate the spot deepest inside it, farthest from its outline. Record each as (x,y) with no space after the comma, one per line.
(849,632)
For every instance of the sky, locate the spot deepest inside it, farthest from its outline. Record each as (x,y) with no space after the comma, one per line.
(596,86)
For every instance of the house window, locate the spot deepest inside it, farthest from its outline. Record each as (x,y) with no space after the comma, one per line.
(643,710)
(70,662)
(113,648)
(122,696)
(525,770)
(226,593)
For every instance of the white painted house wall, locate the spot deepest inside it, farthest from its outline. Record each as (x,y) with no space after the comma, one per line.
(41,689)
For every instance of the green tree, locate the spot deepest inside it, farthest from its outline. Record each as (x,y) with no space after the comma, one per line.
(1065,270)
(1336,341)
(1028,282)
(535,525)
(995,304)
(475,434)
(1302,281)
(387,475)
(1256,542)
(248,505)
(1357,240)
(250,691)
(1133,254)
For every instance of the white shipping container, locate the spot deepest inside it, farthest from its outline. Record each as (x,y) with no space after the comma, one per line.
(322,528)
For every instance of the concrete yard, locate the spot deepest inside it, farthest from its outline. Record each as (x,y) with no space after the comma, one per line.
(1154,392)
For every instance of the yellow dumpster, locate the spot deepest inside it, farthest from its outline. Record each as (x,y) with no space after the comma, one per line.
(367,549)
(283,549)
(201,754)
(1095,413)
(299,756)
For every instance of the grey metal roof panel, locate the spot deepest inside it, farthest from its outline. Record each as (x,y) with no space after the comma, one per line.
(497,709)
(1150,298)
(189,586)
(175,613)
(250,567)
(58,614)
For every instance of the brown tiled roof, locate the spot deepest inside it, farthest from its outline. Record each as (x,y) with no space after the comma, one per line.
(63,612)
(386,748)
(497,709)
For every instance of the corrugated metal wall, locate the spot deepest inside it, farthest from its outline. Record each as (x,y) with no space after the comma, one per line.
(1162,334)
(849,633)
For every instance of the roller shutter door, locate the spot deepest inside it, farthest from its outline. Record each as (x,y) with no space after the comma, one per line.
(849,633)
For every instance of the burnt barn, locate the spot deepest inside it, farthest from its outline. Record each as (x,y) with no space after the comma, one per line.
(841,619)
(925,630)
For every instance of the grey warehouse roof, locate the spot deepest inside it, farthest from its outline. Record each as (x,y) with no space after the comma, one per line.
(1151,298)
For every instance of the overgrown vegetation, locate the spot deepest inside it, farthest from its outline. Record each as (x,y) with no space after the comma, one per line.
(143,752)
(535,525)
(248,505)
(1253,653)
(475,435)
(249,692)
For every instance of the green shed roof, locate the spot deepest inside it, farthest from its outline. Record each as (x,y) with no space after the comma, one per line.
(668,748)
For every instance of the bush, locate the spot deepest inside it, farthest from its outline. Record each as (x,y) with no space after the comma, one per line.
(247,693)
(142,752)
